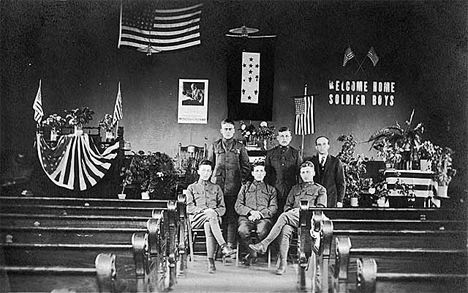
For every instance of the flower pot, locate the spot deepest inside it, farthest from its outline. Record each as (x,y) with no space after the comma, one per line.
(145,195)
(354,202)
(53,135)
(78,130)
(122,195)
(109,135)
(381,202)
(425,165)
(442,191)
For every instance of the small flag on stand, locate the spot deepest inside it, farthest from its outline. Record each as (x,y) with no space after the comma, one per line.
(373,56)
(348,55)
(37,106)
(304,115)
(153,30)
(118,112)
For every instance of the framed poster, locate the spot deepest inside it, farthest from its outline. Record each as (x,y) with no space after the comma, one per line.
(193,101)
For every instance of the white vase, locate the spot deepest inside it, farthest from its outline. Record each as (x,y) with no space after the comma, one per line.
(442,191)
(78,130)
(354,202)
(53,135)
(145,195)
(425,165)
(109,134)
(381,202)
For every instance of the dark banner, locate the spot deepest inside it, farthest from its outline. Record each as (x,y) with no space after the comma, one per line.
(250,78)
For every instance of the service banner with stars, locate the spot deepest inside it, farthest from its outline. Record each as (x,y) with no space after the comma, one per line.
(250,78)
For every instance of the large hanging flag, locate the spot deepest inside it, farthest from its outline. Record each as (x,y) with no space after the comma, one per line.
(348,55)
(37,106)
(250,78)
(118,113)
(304,115)
(154,30)
(373,56)
(75,162)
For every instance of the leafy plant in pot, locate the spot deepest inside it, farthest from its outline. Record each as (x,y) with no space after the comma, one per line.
(354,168)
(444,172)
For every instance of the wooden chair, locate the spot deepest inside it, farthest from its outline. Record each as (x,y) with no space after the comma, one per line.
(253,235)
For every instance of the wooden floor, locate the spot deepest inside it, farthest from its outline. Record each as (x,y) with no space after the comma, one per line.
(232,278)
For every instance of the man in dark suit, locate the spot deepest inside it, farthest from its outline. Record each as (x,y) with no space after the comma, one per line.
(329,172)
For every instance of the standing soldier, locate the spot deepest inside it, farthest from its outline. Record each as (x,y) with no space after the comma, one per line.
(232,167)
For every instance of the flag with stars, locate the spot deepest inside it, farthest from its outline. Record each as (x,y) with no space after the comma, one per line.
(75,162)
(250,78)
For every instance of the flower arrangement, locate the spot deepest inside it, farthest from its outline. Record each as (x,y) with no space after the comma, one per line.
(442,164)
(54,121)
(354,167)
(248,132)
(106,123)
(392,140)
(79,116)
(426,150)
(154,172)
(265,131)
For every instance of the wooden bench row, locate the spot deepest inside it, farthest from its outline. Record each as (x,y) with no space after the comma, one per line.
(417,254)
(44,245)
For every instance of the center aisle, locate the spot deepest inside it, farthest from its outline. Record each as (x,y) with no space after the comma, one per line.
(229,278)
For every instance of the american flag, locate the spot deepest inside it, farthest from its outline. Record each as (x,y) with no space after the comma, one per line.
(304,115)
(37,106)
(348,55)
(153,30)
(373,56)
(75,162)
(118,114)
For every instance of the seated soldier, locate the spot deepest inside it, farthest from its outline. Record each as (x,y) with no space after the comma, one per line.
(205,206)
(256,204)
(289,219)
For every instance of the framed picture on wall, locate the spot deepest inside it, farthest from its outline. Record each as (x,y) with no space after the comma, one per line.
(193,101)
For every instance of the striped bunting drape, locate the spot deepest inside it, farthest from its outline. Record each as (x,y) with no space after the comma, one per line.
(75,163)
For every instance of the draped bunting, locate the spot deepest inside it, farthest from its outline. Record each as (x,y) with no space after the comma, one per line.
(75,162)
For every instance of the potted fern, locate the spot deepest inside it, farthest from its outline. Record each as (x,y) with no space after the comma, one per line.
(444,172)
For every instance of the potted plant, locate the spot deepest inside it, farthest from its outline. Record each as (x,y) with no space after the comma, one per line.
(107,125)
(248,133)
(354,168)
(55,122)
(426,153)
(79,117)
(397,140)
(153,173)
(265,133)
(380,193)
(444,172)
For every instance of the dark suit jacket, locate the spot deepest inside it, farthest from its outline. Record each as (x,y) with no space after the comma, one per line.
(331,177)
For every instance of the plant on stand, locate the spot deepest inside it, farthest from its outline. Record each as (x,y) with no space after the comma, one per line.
(55,122)
(266,133)
(108,126)
(79,117)
(354,168)
(444,172)
(397,140)
(248,132)
(426,153)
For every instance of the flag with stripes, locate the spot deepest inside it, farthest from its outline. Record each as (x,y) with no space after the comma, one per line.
(154,30)
(118,113)
(304,115)
(37,106)
(373,56)
(75,162)
(348,55)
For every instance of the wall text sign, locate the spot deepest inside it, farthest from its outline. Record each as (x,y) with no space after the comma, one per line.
(361,93)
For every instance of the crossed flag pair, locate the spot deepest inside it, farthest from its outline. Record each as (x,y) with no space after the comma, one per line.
(349,54)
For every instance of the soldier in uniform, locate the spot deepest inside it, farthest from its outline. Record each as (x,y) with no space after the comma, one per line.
(282,166)
(289,219)
(232,167)
(256,205)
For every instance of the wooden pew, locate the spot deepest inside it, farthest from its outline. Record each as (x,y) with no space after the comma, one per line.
(100,278)
(40,235)
(399,251)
